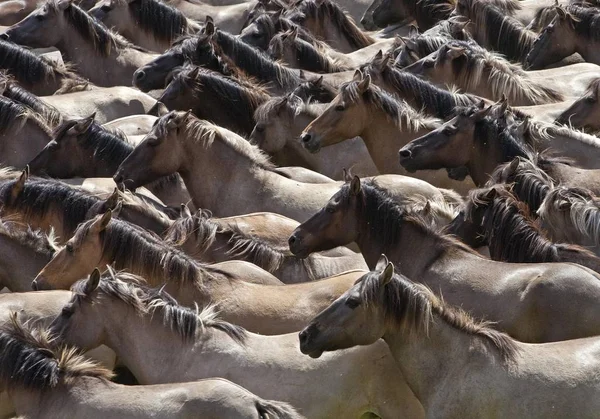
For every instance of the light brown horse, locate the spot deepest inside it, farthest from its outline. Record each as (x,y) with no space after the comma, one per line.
(384,123)
(584,112)
(532,302)
(208,240)
(434,344)
(103,57)
(46,379)
(181,143)
(180,344)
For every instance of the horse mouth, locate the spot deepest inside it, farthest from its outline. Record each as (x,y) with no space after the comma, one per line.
(312,147)
(407,164)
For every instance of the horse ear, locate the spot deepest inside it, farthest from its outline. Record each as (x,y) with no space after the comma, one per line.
(193,74)
(562,13)
(101,223)
(491,194)
(346,175)
(381,263)
(384,62)
(479,115)
(379,55)
(413,31)
(282,105)
(355,186)
(364,84)
(456,52)
(294,33)
(185,211)
(20,183)
(358,76)
(161,109)
(64,5)
(112,201)
(209,27)
(409,44)
(318,82)
(386,276)
(514,165)
(563,205)
(82,126)
(92,282)
(302,75)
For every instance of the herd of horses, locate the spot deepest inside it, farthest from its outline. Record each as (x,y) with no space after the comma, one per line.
(257,209)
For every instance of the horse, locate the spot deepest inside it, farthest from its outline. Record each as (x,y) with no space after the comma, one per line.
(196,149)
(83,148)
(199,346)
(45,379)
(434,343)
(264,26)
(583,113)
(279,123)
(572,30)
(151,24)
(571,215)
(227,102)
(531,302)
(101,56)
(384,124)
(36,74)
(326,20)
(207,240)
(476,70)
(494,216)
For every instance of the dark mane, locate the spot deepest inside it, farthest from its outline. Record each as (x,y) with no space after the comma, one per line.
(328,12)
(413,307)
(309,90)
(501,32)
(14,113)
(31,359)
(397,111)
(17,93)
(135,249)
(163,21)
(90,29)
(431,99)
(149,301)
(586,22)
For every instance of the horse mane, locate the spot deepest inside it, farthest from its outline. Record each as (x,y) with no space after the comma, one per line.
(308,90)
(185,322)
(130,247)
(12,113)
(206,133)
(254,62)
(423,45)
(503,33)
(198,224)
(586,22)
(31,359)
(160,19)
(433,100)
(504,77)
(311,57)
(27,67)
(14,91)
(397,111)
(541,131)
(413,307)
(328,12)
(102,38)
(33,239)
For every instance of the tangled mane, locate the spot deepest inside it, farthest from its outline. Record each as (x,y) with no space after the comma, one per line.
(15,115)
(397,111)
(31,359)
(141,252)
(586,22)
(91,30)
(315,89)
(327,12)
(413,308)
(163,21)
(431,99)
(504,77)
(185,322)
(271,24)
(33,239)
(495,29)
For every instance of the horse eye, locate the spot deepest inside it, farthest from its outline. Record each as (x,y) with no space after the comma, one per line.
(67,312)
(340,108)
(69,248)
(352,303)
(428,63)
(39,17)
(449,131)
(105,8)
(329,209)
(260,128)
(590,100)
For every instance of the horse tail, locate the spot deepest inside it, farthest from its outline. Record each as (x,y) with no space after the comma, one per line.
(452,197)
(268,409)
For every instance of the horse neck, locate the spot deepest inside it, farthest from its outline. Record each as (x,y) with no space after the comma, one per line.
(293,152)
(21,145)
(429,361)
(104,167)
(19,264)
(485,156)
(82,53)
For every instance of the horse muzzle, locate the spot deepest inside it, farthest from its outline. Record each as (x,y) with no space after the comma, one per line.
(40,284)
(310,142)
(297,247)
(306,338)
(405,159)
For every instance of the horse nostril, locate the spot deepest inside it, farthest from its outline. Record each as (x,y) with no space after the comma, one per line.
(4,36)
(292,240)
(405,154)
(306,138)
(303,336)
(139,75)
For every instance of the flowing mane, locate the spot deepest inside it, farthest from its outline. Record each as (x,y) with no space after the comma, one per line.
(28,68)
(397,111)
(504,77)
(501,32)
(91,30)
(413,308)
(14,113)
(433,100)
(30,358)
(586,22)
(185,322)
(163,21)
(137,250)
(32,239)
(328,12)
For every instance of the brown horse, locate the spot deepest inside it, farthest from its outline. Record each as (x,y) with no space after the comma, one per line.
(495,217)
(384,124)
(46,379)
(207,240)
(434,344)
(162,342)
(103,57)
(528,301)
(181,143)
(584,112)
